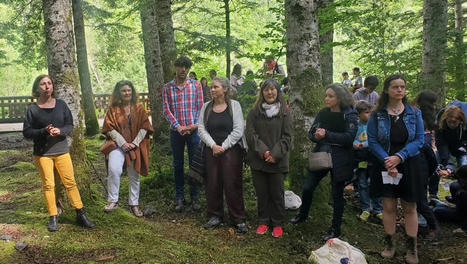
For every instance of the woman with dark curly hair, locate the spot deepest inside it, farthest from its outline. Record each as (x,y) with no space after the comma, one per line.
(127,125)
(333,130)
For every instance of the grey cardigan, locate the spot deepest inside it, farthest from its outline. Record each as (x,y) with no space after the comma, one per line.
(238,126)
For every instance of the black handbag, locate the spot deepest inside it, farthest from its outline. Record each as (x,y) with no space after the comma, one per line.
(197,166)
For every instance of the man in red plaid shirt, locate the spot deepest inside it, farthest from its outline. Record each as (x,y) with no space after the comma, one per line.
(182,102)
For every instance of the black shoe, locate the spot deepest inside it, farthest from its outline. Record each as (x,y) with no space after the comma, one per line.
(179,206)
(297,219)
(213,222)
(241,228)
(53,223)
(450,199)
(83,220)
(331,234)
(195,205)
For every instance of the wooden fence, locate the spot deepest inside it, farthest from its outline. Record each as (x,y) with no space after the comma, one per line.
(13,108)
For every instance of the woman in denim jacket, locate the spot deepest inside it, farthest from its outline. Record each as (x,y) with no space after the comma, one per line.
(338,100)
(395,136)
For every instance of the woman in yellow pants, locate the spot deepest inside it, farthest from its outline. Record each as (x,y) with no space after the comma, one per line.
(48,122)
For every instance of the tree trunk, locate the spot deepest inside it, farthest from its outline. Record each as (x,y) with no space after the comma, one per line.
(90,119)
(459,75)
(228,40)
(166,38)
(62,67)
(304,72)
(326,38)
(434,47)
(152,55)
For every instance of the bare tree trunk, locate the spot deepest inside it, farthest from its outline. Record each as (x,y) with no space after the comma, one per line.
(152,55)
(228,40)
(166,38)
(326,38)
(434,47)
(90,119)
(459,76)
(304,72)
(62,66)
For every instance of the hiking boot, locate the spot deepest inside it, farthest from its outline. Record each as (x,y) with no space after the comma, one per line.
(277,231)
(213,222)
(379,216)
(450,199)
(241,228)
(82,219)
(390,248)
(332,233)
(411,244)
(261,229)
(53,223)
(364,216)
(179,206)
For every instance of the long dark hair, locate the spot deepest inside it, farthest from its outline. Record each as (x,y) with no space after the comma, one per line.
(384,97)
(116,99)
(260,98)
(36,84)
(426,101)
(343,95)
(237,70)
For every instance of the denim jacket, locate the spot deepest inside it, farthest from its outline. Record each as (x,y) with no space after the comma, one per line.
(379,126)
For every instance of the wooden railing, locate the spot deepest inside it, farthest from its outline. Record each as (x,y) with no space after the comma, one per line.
(13,108)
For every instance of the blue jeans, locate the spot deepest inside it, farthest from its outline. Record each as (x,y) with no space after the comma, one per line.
(366,203)
(177,143)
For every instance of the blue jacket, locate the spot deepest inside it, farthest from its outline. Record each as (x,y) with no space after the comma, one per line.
(379,126)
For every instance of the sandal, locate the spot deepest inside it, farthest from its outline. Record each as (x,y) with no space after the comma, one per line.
(110,206)
(136,211)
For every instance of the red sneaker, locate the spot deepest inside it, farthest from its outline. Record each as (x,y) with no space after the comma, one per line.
(277,231)
(261,229)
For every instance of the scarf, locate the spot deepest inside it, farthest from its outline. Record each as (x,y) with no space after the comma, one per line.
(271,109)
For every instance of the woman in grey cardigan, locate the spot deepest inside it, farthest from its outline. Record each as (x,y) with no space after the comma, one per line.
(269,134)
(221,129)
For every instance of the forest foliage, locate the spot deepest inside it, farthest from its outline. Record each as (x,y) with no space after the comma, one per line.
(380,37)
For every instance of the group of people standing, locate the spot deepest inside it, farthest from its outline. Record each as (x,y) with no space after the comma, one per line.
(384,132)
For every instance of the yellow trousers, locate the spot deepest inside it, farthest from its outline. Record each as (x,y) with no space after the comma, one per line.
(62,162)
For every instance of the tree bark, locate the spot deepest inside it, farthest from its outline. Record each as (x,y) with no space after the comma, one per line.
(326,59)
(228,39)
(304,72)
(166,38)
(62,67)
(459,75)
(434,47)
(154,70)
(90,118)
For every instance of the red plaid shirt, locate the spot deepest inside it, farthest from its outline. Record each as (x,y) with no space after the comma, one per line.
(182,107)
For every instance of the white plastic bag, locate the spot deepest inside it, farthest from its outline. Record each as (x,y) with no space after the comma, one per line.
(336,251)
(292,201)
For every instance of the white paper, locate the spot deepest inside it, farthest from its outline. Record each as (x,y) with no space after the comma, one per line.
(387,179)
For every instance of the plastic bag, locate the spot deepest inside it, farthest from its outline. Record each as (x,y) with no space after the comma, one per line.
(292,201)
(336,251)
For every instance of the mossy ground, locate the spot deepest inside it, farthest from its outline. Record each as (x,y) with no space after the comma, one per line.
(168,237)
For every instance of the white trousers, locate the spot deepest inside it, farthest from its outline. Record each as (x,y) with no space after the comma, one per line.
(115,169)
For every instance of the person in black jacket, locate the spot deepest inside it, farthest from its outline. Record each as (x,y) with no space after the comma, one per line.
(48,122)
(334,130)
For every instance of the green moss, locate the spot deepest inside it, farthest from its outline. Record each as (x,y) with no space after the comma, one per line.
(24,166)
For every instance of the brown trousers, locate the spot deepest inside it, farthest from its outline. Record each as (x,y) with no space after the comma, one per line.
(224,174)
(269,189)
